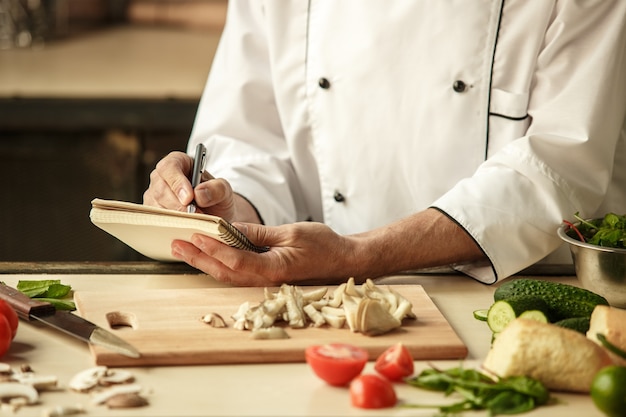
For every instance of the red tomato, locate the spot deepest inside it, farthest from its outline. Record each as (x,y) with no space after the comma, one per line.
(336,363)
(7,311)
(396,363)
(5,335)
(372,391)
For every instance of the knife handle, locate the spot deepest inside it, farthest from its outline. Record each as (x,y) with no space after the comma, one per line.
(23,304)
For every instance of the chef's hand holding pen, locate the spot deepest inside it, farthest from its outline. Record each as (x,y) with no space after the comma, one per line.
(170,187)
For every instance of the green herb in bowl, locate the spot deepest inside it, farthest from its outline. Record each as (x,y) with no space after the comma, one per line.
(609,231)
(598,248)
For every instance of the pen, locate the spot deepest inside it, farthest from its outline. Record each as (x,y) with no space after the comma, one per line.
(196,173)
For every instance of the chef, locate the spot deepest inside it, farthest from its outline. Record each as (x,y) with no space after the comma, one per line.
(368,138)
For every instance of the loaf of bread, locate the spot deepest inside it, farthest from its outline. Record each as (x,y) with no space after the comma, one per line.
(562,359)
(610,322)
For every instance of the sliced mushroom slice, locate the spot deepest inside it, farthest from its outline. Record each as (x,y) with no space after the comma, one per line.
(103,396)
(404,308)
(11,390)
(314,295)
(117,376)
(315,315)
(63,410)
(351,306)
(352,289)
(334,316)
(294,306)
(373,318)
(273,332)
(126,400)
(39,382)
(87,379)
(337,297)
(214,320)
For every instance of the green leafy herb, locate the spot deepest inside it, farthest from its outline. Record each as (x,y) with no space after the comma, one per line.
(48,290)
(610,231)
(513,395)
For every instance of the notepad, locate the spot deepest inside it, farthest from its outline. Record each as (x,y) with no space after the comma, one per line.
(151,230)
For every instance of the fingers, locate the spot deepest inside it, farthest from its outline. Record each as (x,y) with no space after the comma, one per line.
(217,194)
(169,186)
(197,254)
(260,235)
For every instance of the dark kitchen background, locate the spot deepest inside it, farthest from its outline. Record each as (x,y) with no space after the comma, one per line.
(92,94)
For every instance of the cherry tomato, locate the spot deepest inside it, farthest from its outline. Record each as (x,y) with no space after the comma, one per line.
(336,363)
(372,391)
(7,311)
(396,363)
(5,335)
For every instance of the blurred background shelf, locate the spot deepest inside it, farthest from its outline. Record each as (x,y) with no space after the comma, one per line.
(88,111)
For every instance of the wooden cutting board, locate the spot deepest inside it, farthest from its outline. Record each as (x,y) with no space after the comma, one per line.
(166,327)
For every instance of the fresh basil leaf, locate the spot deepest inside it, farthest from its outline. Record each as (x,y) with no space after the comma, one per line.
(478,391)
(527,386)
(457,407)
(510,402)
(57,291)
(35,292)
(49,290)
(36,287)
(67,305)
(431,380)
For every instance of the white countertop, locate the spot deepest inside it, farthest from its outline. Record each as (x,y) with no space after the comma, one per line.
(125,62)
(253,390)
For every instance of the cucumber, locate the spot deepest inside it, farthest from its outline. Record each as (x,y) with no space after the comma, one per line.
(580,324)
(481,314)
(536,315)
(564,301)
(502,312)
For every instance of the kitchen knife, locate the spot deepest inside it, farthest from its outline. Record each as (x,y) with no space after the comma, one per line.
(33,309)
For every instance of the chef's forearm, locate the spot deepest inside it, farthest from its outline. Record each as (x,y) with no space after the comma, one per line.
(423,240)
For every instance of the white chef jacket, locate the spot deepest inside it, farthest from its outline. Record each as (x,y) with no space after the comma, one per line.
(508,116)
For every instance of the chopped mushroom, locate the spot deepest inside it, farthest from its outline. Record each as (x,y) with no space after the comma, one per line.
(270,333)
(87,379)
(373,318)
(11,390)
(63,410)
(39,382)
(214,320)
(103,396)
(126,400)
(367,308)
(114,377)
(294,304)
(315,315)
(334,316)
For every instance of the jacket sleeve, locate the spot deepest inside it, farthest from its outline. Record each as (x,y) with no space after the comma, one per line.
(238,121)
(569,158)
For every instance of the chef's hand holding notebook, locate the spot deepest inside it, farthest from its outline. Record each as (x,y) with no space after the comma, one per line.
(151,230)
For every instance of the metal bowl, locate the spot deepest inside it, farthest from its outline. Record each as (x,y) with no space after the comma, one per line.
(598,268)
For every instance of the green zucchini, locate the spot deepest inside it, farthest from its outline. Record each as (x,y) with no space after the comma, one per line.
(502,312)
(580,324)
(565,301)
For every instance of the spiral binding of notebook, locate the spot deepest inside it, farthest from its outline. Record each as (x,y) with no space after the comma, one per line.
(233,237)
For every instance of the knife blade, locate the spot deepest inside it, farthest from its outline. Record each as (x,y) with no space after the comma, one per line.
(33,309)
